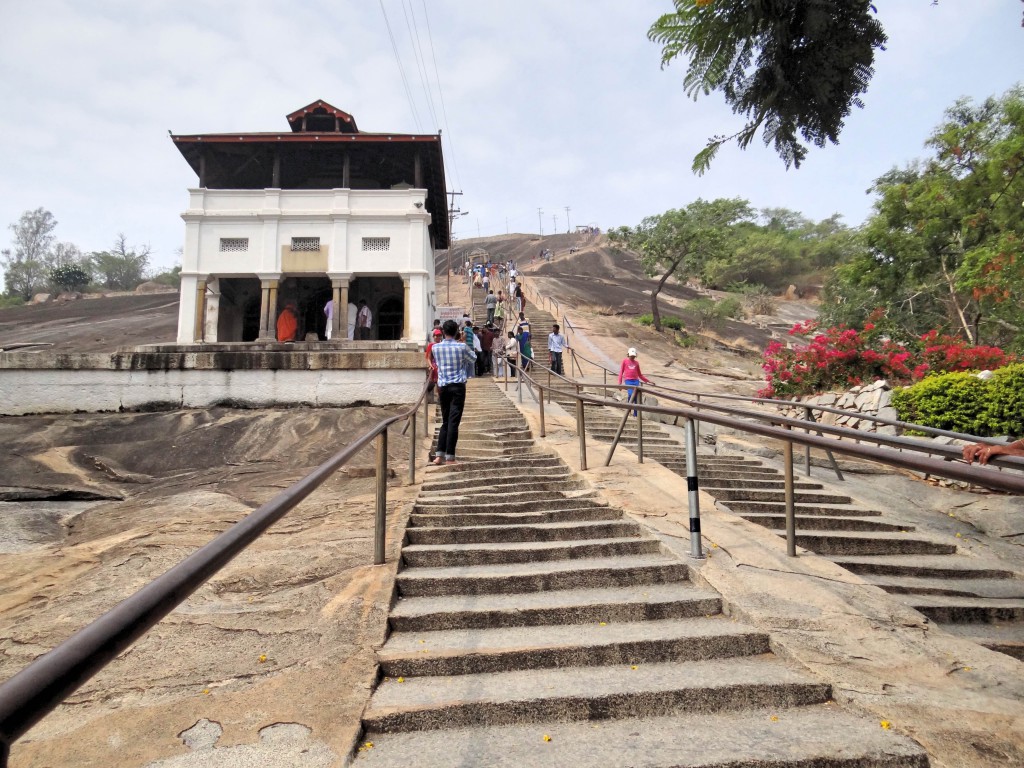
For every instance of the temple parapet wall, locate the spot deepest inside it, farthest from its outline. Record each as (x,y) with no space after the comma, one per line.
(166,377)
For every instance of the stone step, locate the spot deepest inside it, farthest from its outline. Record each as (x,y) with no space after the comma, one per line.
(748,473)
(548,531)
(1006,638)
(770,507)
(529,461)
(504,519)
(486,496)
(526,577)
(554,477)
(442,555)
(588,693)
(923,566)
(502,649)
(460,506)
(578,606)
(766,483)
(997,589)
(801,737)
(856,543)
(805,523)
(750,494)
(965,610)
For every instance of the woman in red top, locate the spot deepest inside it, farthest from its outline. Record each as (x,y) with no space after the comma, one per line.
(630,374)
(430,358)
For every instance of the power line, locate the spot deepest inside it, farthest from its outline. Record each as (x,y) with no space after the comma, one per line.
(417,53)
(440,96)
(401,69)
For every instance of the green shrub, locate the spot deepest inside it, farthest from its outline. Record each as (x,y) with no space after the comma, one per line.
(673,322)
(962,402)
(667,321)
(11,301)
(729,308)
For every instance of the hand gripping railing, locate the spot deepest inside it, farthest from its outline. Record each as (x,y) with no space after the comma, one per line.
(738,419)
(36,690)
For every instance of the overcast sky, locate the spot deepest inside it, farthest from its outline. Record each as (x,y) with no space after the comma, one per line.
(546,104)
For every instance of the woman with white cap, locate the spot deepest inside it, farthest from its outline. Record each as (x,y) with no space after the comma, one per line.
(630,374)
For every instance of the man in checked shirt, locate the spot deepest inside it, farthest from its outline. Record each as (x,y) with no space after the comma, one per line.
(452,357)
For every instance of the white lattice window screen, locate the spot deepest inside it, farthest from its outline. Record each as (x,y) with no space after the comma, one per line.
(234,243)
(305,243)
(376,243)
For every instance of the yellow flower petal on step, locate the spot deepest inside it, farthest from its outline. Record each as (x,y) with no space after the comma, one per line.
(774,718)
(633,666)
(959,536)
(206,691)
(713,545)
(262,658)
(967,669)
(401,679)
(603,624)
(546,737)
(886,725)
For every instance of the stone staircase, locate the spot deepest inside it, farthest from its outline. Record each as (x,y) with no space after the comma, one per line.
(981,603)
(536,625)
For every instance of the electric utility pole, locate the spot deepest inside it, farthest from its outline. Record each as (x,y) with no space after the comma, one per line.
(452,211)
(568,227)
(540,221)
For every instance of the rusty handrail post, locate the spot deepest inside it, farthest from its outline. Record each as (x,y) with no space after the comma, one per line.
(807,448)
(698,423)
(581,431)
(693,490)
(790,496)
(519,379)
(504,370)
(618,436)
(637,397)
(831,456)
(541,403)
(380,519)
(605,372)
(412,451)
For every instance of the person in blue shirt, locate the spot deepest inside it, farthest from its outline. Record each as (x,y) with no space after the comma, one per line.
(453,358)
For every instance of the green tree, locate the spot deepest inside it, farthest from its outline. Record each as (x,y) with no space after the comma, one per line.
(793,68)
(947,237)
(121,268)
(70,277)
(679,242)
(27,263)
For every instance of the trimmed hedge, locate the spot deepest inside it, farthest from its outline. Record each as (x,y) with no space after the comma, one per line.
(962,402)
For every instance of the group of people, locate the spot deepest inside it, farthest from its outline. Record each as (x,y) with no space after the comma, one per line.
(360,321)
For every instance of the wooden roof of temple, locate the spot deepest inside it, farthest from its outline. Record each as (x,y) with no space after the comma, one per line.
(314,154)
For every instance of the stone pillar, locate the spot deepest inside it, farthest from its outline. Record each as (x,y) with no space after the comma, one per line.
(406,310)
(339,321)
(199,327)
(342,313)
(268,310)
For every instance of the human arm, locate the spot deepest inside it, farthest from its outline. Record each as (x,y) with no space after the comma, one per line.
(640,375)
(622,371)
(985,451)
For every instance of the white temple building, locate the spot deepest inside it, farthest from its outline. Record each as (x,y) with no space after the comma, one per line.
(321,212)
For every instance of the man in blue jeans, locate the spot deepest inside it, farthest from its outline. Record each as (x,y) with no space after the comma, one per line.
(453,358)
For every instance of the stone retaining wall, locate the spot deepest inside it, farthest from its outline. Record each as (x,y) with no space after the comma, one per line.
(863,403)
(163,379)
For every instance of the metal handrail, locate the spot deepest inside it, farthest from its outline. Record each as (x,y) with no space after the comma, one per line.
(978,475)
(1010,461)
(37,689)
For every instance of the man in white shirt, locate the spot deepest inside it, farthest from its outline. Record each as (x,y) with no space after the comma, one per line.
(556,345)
(364,319)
